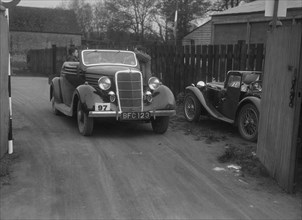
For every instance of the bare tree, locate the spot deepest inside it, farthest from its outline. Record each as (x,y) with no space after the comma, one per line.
(139,12)
(84,15)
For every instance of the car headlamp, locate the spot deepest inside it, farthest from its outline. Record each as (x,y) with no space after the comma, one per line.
(154,83)
(112,96)
(104,83)
(148,96)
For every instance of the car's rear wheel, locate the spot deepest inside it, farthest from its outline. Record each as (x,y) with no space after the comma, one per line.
(248,120)
(85,123)
(53,108)
(160,124)
(192,107)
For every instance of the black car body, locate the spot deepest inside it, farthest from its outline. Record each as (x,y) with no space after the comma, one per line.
(109,84)
(236,101)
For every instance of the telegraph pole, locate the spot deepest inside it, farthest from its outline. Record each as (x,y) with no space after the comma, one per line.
(275,14)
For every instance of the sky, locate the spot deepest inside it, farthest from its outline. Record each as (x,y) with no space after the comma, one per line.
(44,3)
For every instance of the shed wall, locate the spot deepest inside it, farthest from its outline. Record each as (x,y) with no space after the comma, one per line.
(201,35)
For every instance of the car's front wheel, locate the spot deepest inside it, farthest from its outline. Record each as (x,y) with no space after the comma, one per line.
(160,124)
(192,107)
(248,120)
(85,123)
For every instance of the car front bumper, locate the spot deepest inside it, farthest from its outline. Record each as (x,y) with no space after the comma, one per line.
(117,115)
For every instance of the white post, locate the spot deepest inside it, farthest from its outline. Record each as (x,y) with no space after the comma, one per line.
(10,133)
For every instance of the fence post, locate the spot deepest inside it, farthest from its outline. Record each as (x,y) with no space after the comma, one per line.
(54,59)
(216,63)
(259,57)
(210,63)
(222,66)
(204,58)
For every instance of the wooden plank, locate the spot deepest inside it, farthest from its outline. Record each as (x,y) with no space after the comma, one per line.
(198,64)
(230,57)
(187,65)
(243,56)
(177,71)
(204,58)
(236,61)
(259,57)
(192,73)
(171,50)
(251,57)
(182,68)
(222,65)
(210,63)
(216,63)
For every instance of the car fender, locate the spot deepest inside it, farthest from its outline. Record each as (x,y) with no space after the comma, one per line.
(88,96)
(197,93)
(56,87)
(202,100)
(163,98)
(250,99)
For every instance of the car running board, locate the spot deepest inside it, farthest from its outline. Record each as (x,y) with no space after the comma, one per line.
(217,114)
(64,109)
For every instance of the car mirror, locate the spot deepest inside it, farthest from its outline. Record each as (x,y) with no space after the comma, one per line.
(201,84)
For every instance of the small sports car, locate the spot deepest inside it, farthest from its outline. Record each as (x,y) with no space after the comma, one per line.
(109,84)
(236,101)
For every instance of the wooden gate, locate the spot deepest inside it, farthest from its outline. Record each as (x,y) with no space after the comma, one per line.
(280,105)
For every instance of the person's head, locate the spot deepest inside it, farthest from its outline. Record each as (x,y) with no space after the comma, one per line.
(73,51)
(140,48)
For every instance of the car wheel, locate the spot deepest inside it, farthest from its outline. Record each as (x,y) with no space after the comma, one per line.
(160,124)
(248,120)
(53,108)
(192,107)
(85,123)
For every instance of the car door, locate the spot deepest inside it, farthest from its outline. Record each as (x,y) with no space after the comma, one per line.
(69,81)
(232,95)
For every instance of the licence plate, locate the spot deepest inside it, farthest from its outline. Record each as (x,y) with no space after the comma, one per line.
(101,107)
(135,115)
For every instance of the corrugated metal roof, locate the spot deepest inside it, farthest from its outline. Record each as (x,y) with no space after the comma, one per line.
(43,20)
(257,6)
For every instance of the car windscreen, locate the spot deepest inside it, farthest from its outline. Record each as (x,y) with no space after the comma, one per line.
(105,57)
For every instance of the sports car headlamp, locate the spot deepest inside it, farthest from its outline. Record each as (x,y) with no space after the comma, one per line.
(154,83)
(104,83)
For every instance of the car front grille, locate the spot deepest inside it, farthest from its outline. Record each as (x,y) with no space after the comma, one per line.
(129,91)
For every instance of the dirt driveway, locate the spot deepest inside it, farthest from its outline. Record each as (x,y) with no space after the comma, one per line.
(125,171)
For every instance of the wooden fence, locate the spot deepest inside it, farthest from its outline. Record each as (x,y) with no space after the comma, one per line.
(4,103)
(187,65)
(176,67)
(46,61)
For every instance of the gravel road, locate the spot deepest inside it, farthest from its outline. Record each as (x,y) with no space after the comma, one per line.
(124,171)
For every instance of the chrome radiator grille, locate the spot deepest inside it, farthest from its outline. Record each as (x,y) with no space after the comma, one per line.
(129,91)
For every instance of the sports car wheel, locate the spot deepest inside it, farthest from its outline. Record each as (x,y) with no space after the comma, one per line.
(85,124)
(53,108)
(160,124)
(192,107)
(248,120)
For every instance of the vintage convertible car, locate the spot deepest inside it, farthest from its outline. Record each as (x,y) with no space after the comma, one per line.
(236,101)
(109,84)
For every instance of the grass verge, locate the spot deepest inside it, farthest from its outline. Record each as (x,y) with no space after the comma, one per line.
(245,157)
